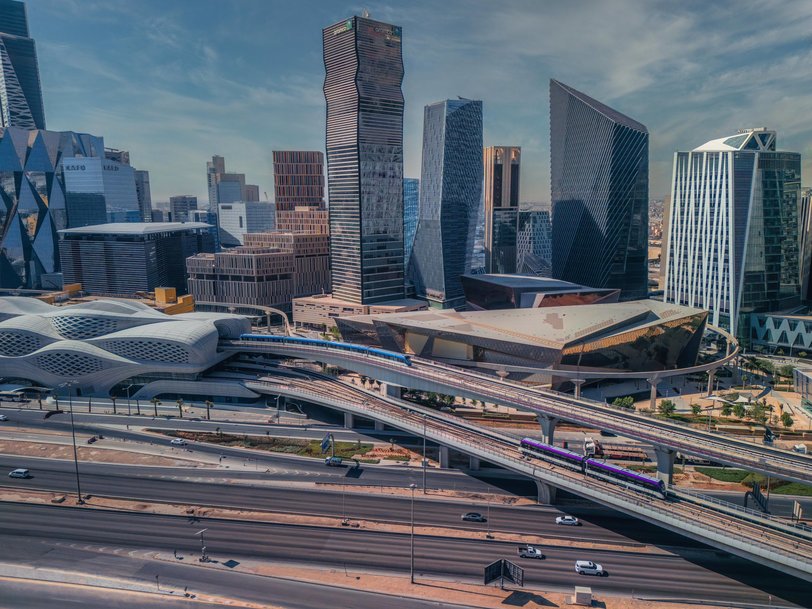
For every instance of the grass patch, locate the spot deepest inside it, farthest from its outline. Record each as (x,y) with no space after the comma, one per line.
(793,488)
(291,446)
(724,474)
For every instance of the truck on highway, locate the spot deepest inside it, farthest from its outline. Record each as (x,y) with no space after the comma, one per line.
(529,552)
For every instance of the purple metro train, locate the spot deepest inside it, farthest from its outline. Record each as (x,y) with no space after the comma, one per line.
(586,465)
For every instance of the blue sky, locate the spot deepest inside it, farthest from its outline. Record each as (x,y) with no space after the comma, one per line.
(175,81)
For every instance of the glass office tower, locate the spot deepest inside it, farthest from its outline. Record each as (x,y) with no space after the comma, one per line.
(20,91)
(734,244)
(411,211)
(362,87)
(502,166)
(451,188)
(599,187)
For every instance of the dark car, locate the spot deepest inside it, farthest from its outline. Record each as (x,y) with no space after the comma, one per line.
(474,517)
(91,439)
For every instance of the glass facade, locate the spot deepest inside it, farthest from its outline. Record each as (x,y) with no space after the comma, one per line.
(237,219)
(362,87)
(736,241)
(502,166)
(535,242)
(33,202)
(100,190)
(599,187)
(411,211)
(451,188)
(20,91)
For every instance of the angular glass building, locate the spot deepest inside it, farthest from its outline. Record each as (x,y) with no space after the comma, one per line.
(20,91)
(502,167)
(534,242)
(451,181)
(33,201)
(734,244)
(362,86)
(411,210)
(599,187)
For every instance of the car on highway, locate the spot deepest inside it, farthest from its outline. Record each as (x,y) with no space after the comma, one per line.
(568,520)
(3,417)
(529,552)
(92,439)
(177,442)
(333,461)
(474,517)
(587,567)
(19,473)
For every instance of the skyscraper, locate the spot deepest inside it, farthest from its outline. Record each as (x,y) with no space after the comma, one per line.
(733,244)
(362,87)
(142,190)
(298,179)
(20,91)
(599,187)
(411,212)
(227,187)
(502,165)
(180,206)
(451,181)
(534,242)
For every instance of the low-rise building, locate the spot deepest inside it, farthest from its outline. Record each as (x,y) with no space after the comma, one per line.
(269,270)
(123,259)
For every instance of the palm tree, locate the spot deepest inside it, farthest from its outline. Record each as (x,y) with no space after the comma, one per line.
(179,402)
(155,401)
(208,409)
(113,399)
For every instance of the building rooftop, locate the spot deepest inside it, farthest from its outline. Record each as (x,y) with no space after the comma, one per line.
(746,139)
(531,282)
(552,327)
(134,228)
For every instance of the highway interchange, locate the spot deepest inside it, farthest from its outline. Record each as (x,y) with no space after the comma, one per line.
(685,570)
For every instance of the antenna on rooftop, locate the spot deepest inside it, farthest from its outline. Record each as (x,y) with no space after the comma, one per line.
(365,13)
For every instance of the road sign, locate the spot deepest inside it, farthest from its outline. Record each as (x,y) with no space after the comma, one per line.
(759,497)
(493,571)
(504,570)
(325,443)
(797,511)
(513,572)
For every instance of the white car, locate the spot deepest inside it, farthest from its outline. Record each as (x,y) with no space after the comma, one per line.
(178,442)
(19,473)
(587,567)
(568,520)
(3,417)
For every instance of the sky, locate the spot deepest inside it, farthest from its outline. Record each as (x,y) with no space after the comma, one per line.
(176,81)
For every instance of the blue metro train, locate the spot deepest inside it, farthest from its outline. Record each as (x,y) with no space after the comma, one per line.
(328,344)
(586,464)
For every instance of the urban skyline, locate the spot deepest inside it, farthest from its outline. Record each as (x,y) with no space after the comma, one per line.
(666,77)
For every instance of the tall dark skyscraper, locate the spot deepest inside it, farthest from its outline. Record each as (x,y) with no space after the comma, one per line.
(502,168)
(451,189)
(20,91)
(362,86)
(599,186)
(411,211)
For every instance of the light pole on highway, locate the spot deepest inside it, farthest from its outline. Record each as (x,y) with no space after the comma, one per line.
(411,562)
(203,557)
(68,386)
(425,464)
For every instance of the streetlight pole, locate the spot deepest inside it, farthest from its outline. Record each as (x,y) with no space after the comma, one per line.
(203,557)
(424,453)
(79,499)
(129,408)
(411,562)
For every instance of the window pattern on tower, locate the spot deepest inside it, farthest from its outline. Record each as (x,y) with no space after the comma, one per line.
(80,328)
(13,344)
(69,364)
(149,350)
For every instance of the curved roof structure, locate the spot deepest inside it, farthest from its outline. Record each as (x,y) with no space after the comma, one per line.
(746,139)
(101,343)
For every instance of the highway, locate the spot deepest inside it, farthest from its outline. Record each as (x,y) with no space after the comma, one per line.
(185,488)
(464,382)
(706,575)
(135,569)
(734,531)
